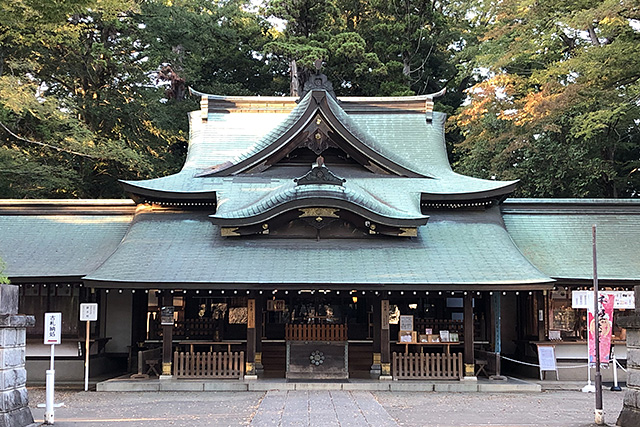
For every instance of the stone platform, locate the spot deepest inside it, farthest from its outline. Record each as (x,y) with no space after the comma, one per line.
(124,384)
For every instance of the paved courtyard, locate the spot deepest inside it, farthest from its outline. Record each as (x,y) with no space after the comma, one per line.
(325,408)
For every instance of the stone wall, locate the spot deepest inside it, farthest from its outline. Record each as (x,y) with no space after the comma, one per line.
(14,409)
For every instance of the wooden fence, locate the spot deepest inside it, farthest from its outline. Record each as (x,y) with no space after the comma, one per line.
(427,366)
(316,333)
(208,365)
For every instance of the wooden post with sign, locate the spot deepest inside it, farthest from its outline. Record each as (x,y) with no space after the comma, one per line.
(250,368)
(88,313)
(166,321)
(385,355)
(52,333)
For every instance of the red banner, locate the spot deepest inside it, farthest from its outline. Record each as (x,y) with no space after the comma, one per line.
(605,314)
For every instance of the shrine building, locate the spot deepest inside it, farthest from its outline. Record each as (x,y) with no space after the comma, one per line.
(318,237)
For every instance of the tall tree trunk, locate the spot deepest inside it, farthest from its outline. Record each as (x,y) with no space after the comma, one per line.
(294,86)
(406,65)
(593,36)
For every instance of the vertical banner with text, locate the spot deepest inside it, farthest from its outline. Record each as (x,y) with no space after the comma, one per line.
(605,314)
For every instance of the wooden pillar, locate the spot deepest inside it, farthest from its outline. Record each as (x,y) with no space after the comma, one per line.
(469,358)
(375,370)
(260,301)
(140,304)
(250,369)
(539,313)
(385,355)
(496,324)
(166,318)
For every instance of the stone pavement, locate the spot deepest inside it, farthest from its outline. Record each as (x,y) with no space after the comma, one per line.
(321,408)
(325,408)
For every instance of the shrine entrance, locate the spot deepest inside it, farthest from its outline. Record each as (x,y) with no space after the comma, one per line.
(316,335)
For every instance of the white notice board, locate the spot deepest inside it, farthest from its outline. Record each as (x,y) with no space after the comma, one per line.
(622,299)
(52,328)
(547,359)
(89,312)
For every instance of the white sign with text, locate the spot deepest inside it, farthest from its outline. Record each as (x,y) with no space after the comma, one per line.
(584,299)
(52,328)
(89,312)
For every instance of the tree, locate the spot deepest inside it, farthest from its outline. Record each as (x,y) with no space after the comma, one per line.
(317,30)
(4,280)
(214,46)
(70,80)
(560,105)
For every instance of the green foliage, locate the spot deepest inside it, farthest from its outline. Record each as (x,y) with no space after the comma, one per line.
(92,91)
(4,280)
(559,109)
(384,47)
(214,46)
(81,105)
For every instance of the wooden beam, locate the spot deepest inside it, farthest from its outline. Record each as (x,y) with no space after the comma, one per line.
(385,355)
(167,336)
(377,324)
(469,357)
(251,337)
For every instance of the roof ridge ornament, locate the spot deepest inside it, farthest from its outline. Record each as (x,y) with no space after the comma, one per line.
(317,81)
(319,174)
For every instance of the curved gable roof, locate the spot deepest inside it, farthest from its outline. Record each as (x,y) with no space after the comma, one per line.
(318,195)
(280,140)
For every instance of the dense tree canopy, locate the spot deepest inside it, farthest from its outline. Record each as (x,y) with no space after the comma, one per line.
(560,106)
(545,91)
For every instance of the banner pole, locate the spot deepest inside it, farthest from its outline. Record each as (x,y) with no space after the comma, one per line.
(599,413)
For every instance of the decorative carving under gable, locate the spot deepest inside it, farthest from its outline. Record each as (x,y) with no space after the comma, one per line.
(318,138)
(319,212)
(319,222)
(319,174)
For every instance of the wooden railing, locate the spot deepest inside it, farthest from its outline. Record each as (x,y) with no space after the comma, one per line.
(436,366)
(316,333)
(208,365)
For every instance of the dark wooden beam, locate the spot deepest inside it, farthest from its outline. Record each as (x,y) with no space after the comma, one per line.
(469,357)
(167,336)
(250,369)
(385,355)
(377,323)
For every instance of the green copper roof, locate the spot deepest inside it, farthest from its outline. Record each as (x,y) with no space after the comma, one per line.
(292,196)
(408,138)
(469,250)
(245,189)
(59,239)
(556,236)
(278,128)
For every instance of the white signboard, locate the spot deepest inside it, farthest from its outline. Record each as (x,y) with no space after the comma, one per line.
(406,323)
(52,328)
(89,312)
(547,359)
(584,299)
